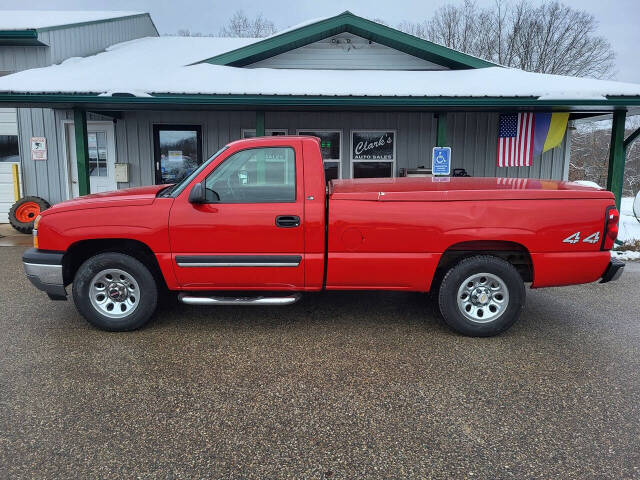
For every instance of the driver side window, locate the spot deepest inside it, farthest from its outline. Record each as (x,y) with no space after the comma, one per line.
(255,175)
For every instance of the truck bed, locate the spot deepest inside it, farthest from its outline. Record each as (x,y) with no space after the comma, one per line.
(460,189)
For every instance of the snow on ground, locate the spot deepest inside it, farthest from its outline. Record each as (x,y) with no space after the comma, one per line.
(42,19)
(629,228)
(169,65)
(625,255)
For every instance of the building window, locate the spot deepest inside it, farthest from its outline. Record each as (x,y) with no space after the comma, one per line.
(331,148)
(9,148)
(373,153)
(97,143)
(178,151)
(254,175)
(269,132)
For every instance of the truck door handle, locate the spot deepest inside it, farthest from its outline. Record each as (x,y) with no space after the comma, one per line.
(287,221)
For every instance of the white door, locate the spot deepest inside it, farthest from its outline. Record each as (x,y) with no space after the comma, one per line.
(102,157)
(9,156)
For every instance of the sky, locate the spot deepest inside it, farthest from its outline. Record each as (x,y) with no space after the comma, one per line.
(618,20)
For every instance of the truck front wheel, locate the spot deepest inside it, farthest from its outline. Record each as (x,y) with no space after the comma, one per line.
(481,296)
(115,292)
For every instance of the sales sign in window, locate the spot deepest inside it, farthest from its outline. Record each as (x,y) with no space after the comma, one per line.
(373,153)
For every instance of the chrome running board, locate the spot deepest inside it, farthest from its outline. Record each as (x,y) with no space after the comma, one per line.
(193,300)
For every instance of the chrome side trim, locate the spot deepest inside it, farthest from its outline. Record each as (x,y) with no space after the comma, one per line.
(239,264)
(286,300)
(49,274)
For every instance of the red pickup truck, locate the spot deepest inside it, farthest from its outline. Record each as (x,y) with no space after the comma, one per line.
(258,217)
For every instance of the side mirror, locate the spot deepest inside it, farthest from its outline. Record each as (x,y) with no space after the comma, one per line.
(196,195)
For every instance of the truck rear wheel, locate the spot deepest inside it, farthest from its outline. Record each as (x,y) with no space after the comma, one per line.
(481,296)
(115,292)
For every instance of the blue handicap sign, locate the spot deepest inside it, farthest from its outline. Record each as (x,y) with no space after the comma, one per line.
(441,161)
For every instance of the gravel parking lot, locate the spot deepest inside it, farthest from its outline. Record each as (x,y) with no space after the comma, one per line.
(358,385)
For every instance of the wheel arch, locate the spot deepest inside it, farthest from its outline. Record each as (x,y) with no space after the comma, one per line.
(513,252)
(82,250)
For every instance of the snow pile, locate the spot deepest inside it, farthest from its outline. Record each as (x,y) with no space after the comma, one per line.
(625,255)
(169,65)
(42,19)
(629,227)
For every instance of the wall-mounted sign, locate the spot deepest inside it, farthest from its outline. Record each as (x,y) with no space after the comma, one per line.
(373,145)
(441,161)
(38,148)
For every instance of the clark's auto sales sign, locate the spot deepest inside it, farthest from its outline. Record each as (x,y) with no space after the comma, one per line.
(372,145)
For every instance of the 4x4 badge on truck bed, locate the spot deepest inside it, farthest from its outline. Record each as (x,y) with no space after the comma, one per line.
(575,238)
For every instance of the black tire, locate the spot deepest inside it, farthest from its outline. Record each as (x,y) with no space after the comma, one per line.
(22,226)
(455,281)
(145,296)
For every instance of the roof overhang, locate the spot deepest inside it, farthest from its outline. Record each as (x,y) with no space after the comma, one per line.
(20,38)
(292,102)
(348,22)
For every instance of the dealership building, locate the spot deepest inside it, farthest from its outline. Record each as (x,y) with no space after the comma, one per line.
(97,101)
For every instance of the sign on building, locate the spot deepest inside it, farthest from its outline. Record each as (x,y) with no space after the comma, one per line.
(441,161)
(38,148)
(372,145)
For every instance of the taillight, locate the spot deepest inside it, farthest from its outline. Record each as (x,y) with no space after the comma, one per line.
(610,228)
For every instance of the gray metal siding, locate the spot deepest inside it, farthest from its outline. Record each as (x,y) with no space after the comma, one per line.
(80,41)
(472,136)
(358,54)
(134,137)
(14,59)
(473,139)
(75,41)
(44,178)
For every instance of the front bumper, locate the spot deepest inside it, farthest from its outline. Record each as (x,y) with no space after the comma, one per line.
(613,271)
(44,269)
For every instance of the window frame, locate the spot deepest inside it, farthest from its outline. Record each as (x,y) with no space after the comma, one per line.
(157,128)
(393,162)
(268,132)
(295,176)
(327,130)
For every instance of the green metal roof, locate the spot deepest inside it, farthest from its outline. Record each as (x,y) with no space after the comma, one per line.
(348,22)
(19,38)
(262,101)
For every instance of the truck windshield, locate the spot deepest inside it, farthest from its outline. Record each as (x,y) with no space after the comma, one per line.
(174,190)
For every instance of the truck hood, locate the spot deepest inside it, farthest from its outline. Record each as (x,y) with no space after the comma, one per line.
(128,196)
(414,189)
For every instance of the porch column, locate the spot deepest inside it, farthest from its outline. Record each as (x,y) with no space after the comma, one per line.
(615,175)
(260,123)
(82,150)
(441,129)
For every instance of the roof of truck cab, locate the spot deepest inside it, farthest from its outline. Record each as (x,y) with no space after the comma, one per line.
(459,188)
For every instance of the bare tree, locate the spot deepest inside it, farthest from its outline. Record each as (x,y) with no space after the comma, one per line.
(549,38)
(239,25)
(590,150)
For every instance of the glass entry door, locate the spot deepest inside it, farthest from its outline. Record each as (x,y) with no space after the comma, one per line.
(178,151)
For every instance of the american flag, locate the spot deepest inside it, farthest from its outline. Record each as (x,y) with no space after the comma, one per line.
(513,183)
(515,139)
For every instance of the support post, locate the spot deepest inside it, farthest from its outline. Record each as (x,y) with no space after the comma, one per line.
(261,162)
(615,174)
(16,182)
(441,130)
(260,123)
(82,151)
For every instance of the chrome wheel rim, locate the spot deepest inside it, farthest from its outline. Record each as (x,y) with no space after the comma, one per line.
(483,297)
(114,293)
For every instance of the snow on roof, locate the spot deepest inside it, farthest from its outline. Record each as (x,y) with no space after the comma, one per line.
(164,65)
(43,19)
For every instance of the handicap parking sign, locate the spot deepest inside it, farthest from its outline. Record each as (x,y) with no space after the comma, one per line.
(441,161)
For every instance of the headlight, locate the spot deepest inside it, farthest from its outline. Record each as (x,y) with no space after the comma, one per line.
(36,222)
